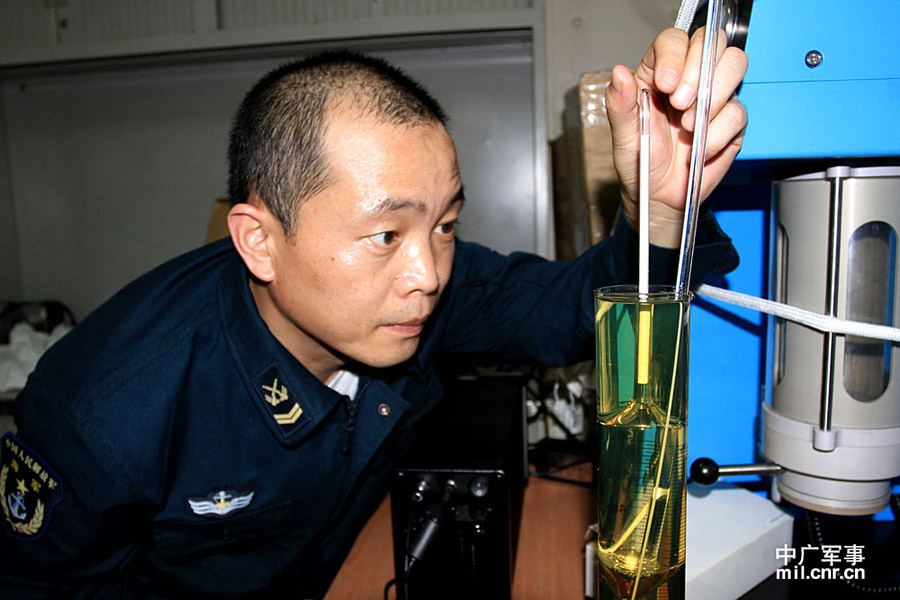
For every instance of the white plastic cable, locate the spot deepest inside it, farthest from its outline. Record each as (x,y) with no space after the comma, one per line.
(804,317)
(686,14)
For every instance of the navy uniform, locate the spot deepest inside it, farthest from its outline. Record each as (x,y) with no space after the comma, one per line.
(170,445)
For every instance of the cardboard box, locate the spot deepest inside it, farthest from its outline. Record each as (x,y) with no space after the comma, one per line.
(586,187)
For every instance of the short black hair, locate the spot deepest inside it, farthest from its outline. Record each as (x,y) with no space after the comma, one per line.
(277,140)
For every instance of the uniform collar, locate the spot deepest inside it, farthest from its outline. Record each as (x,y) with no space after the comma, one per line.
(290,400)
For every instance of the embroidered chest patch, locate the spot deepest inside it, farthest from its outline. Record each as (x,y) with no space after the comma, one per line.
(220,502)
(29,489)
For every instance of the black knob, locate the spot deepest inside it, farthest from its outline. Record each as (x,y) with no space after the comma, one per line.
(478,487)
(705,471)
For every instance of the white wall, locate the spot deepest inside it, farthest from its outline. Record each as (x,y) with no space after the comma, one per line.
(113,173)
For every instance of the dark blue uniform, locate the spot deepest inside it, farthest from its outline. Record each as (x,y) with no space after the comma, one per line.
(170,446)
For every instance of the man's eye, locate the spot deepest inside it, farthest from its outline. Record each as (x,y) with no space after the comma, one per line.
(385,238)
(447,228)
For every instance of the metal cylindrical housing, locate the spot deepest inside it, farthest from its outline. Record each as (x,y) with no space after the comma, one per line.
(835,404)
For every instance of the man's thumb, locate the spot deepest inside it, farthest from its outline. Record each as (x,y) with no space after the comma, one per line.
(622,108)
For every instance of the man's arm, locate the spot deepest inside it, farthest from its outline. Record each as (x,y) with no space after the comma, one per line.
(523,308)
(67,528)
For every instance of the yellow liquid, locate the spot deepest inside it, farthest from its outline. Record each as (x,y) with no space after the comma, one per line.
(641,485)
(622,583)
(642,353)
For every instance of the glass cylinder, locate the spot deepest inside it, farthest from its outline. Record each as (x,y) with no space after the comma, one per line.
(642,374)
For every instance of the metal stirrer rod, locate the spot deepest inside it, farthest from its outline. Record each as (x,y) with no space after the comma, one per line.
(698,147)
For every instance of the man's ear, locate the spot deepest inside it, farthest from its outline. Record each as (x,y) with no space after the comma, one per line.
(251,226)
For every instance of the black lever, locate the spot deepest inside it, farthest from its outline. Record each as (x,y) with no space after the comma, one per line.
(706,471)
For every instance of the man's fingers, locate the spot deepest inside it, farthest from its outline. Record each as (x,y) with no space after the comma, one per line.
(663,62)
(686,92)
(683,96)
(726,128)
(671,70)
(716,167)
(730,69)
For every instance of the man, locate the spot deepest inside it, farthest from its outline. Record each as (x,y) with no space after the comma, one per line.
(224,425)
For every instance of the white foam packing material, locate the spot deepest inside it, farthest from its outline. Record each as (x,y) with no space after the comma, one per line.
(19,358)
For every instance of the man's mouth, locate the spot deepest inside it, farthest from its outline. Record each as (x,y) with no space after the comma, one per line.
(408,328)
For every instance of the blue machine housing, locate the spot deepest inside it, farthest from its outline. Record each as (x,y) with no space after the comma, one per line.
(846,108)
(848,105)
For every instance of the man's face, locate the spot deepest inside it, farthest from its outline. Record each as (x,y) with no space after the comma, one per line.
(372,252)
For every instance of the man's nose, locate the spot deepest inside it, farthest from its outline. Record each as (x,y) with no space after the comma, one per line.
(420,270)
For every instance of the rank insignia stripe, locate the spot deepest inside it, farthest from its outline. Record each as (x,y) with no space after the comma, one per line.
(29,489)
(278,400)
(291,417)
(220,502)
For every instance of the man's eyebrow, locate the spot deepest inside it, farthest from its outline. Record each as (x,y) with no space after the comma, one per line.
(392,205)
(459,196)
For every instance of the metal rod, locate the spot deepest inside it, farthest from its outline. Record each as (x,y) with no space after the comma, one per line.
(705,471)
(831,299)
(760,469)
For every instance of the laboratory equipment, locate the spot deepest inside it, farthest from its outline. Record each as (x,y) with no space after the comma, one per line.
(457,493)
(818,87)
(642,350)
(835,250)
(821,80)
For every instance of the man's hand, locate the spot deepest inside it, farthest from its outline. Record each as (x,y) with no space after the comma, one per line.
(670,69)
